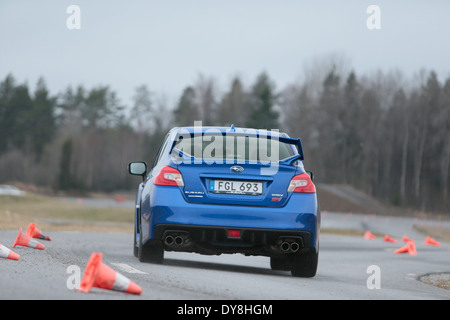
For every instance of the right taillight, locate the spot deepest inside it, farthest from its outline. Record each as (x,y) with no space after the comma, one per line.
(302,183)
(169,176)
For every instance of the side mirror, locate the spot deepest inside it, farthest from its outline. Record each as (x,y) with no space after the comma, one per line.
(137,168)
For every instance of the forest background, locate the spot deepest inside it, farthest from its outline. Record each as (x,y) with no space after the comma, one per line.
(382,133)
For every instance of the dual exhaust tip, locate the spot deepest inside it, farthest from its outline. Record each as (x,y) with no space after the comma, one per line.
(170,240)
(289,247)
(176,239)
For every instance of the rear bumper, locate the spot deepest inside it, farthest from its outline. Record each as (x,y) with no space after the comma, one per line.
(169,211)
(217,240)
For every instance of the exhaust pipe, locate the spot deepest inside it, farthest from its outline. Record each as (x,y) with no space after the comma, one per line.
(288,245)
(179,240)
(176,239)
(285,246)
(169,240)
(294,247)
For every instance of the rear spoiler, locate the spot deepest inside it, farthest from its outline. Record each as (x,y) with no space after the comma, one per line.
(296,142)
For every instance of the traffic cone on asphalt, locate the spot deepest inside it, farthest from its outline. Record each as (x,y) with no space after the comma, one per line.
(25,240)
(369,235)
(410,248)
(34,232)
(99,275)
(406,239)
(431,241)
(403,249)
(8,254)
(389,239)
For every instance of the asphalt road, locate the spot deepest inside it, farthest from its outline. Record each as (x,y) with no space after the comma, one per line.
(350,267)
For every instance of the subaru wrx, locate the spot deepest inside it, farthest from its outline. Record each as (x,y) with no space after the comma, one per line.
(226,190)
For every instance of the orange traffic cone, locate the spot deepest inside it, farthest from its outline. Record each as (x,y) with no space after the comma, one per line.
(409,248)
(34,232)
(412,248)
(8,254)
(101,276)
(389,239)
(431,241)
(25,240)
(119,198)
(401,250)
(369,235)
(406,239)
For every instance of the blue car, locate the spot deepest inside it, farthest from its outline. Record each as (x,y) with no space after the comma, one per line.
(216,190)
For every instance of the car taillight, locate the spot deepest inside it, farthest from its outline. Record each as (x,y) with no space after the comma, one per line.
(302,183)
(169,176)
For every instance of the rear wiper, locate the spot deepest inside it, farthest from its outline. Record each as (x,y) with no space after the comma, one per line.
(181,154)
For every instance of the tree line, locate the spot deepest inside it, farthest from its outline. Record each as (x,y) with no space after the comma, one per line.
(384,134)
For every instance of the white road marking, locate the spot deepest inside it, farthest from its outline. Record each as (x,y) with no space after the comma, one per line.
(126,268)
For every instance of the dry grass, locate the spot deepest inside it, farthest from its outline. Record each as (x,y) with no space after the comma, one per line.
(439,233)
(59,215)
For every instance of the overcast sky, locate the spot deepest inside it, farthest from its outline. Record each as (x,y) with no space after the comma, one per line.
(166,44)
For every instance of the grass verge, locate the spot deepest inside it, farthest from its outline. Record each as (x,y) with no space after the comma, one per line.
(62,215)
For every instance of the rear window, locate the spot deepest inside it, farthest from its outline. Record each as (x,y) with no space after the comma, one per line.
(223,148)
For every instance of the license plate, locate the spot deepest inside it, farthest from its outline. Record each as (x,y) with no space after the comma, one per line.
(236,187)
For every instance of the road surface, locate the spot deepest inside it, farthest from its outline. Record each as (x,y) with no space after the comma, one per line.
(350,267)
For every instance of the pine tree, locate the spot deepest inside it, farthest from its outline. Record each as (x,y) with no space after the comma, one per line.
(18,117)
(65,180)
(262,103)
(6,91)
(187,111)
(42,117)
(233,109)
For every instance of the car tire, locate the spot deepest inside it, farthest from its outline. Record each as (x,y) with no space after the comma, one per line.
(135,246)
(281,264)
(152,251)
(135,243)
(305,263)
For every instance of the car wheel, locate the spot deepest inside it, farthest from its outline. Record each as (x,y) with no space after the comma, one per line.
(152,251)
(135,243)
(305,263)
(281,264)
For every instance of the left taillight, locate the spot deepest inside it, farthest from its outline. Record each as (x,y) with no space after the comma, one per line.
(169,176)
(302,184)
